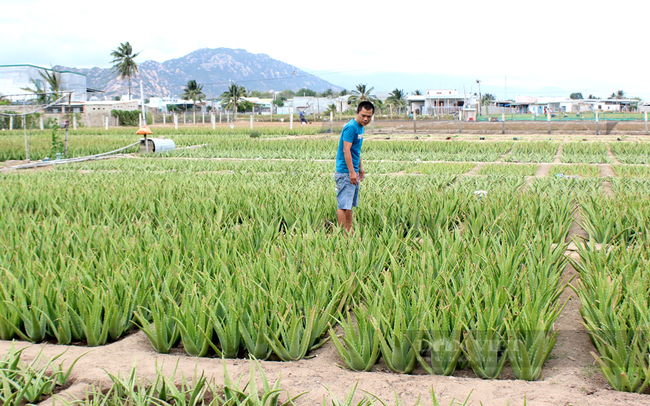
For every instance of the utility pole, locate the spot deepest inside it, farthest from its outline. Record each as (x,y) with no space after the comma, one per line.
(480,99)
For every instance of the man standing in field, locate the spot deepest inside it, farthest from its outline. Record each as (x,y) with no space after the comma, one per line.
(349,170)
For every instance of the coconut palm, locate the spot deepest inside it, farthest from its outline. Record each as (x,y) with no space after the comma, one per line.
(397,99)
(52,81)
(232,97)
(379,105)
(487,98)
(193,91)
(417,93)
(125,66)
(362,93)
(331,108)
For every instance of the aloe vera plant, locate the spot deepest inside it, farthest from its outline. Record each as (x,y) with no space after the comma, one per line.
(531,339)
(400,336)
(234,392)
(254,328)
(224,315)
(484,341)
(195,325)
(33,314)
(359,348)
(442,338)
(292,340)
(163,332)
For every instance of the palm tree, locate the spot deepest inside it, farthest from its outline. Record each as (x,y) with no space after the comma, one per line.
(125,66)
(487,97)
(232,97)
(417,93)
(362,93)
(397,99)
(620,94)
(379,105)
(193,91)
(52,80)
(331,108)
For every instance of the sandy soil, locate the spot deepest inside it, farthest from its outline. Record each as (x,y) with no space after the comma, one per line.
(570,376)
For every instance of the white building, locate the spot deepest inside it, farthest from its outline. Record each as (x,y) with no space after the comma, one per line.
(438,101)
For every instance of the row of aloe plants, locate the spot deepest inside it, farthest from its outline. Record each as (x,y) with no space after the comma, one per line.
(401,150)
(78,272)
(613,289)
(90,141)
(29,383)
(258,166)
(465,302)
(622,219)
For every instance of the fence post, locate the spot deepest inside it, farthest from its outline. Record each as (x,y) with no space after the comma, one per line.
(175,121)
(74,121)
(140,120)
(213,118)
(107,122)
(646,121)
(164,118)
(548,118)
(503,123)
(460,125)
(219,117)
(251,121)
(332,121)
(415,128)
(11,123)
(43,125)
(203,116)
(291,118)
(597,129)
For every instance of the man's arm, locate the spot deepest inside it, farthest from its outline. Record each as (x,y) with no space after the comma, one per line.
(354,178)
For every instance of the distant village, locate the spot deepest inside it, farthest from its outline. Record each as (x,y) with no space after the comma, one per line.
(94,105)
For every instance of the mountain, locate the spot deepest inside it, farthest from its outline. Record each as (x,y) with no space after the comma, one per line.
(215,69)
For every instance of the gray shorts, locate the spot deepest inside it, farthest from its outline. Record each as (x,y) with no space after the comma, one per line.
(347,194)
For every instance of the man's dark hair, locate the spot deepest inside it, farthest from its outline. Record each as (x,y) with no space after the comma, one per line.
(366,105)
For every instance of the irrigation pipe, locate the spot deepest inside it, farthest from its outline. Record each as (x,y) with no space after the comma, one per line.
(70,160)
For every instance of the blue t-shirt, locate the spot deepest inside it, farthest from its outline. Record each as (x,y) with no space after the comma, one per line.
(352,132)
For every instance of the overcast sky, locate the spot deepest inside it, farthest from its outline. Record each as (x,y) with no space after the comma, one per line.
(578,45)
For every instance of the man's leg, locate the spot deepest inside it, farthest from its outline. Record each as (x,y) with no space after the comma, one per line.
(345,219)
(348,221)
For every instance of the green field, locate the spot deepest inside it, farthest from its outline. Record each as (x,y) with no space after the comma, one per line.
(239,257)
